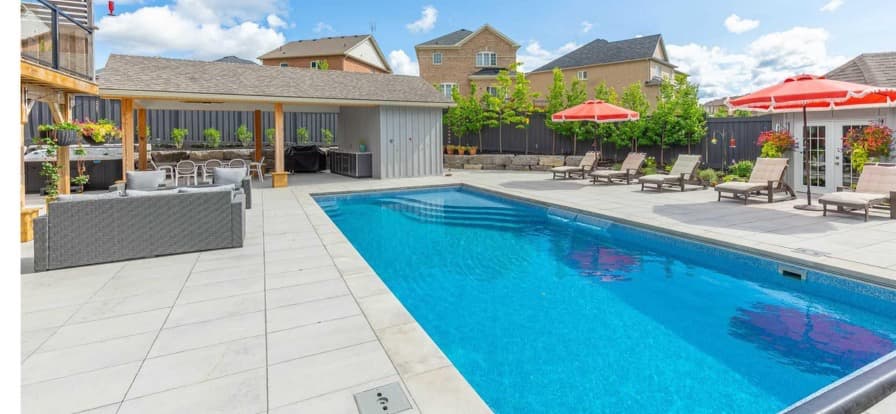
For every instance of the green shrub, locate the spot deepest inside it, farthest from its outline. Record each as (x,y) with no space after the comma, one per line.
(732,177)
(178,135)
(302,135)
(244,136)
(741,169)
(269,135)
(649,166)
(328,136)
(708,176)
(212,137)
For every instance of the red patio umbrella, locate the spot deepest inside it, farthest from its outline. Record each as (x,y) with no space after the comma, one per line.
(595,110)
(813,93)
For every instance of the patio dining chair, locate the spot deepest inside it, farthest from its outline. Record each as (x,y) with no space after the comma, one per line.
(169,170)
(257,167)
(186,169)
(208,169)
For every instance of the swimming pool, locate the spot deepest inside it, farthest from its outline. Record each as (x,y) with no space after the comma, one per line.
(543,310)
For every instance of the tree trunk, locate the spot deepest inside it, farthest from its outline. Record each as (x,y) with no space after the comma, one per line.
(500,138)
(480,140)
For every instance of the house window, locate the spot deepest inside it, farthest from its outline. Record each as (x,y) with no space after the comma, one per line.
(491,90)
(446,88)
(582,75)
(486,59)
(655,71)
(437,58)
(283,64)
(315,64)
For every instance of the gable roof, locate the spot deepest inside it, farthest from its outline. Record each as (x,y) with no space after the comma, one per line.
(600,51)
(234,59)
(166,78)
(459,37)
(876,69)
(327,46)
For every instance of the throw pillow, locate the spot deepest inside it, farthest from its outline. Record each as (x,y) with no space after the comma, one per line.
(233,176)
(144,180)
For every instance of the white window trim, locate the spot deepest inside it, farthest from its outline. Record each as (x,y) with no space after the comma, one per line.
(450,85)
(491,90)
(582,75)
(314,64)
(492,62)
(434,58)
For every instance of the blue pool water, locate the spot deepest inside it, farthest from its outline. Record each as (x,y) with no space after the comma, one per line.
(544,311)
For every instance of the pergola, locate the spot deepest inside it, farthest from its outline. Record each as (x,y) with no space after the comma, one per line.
(144,83)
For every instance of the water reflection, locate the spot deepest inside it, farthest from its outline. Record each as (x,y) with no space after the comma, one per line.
(812,342)
(604,264)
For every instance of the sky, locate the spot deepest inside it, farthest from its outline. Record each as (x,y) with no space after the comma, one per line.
(727,48)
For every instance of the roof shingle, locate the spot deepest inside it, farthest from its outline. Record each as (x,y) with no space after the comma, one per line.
(875,69)
(156,74)
(327,46)
(449,39)
(600,51)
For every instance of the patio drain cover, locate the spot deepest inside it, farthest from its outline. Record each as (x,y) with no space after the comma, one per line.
(386,399)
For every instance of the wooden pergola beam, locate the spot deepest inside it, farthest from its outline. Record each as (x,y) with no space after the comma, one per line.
(141,137)
(279,174)
(127,136)
(62,112)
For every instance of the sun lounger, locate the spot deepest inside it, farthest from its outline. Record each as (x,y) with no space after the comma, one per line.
(627,171)
(684,171)
(876,186)
(586,165)
(767,178)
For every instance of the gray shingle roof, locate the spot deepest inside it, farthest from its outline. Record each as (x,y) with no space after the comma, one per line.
(449,39)
(600,51)
(327,46)
(875,69)
(186,77)
(234,59)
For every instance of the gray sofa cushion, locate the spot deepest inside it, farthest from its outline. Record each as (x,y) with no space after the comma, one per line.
(232,176)
(144,180)
(151,193)
(83,197)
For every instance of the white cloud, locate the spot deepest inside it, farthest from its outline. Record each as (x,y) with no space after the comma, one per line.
(831,5)
(161,30)
(275,21)
(228,12)
(321,27)
(402,64)
(767,60)
(426,21)
(535,56)
(737,24)
(586,26)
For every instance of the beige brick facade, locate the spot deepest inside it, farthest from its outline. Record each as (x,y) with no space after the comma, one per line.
(617,76)
(336,62)
(458,63)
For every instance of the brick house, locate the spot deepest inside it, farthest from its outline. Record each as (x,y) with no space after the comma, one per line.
(464,57)
(619,64)
(359,53)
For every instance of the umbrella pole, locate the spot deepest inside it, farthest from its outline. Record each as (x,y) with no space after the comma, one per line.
(806,174)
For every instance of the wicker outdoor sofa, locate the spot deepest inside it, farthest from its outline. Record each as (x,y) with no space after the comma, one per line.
(109,227)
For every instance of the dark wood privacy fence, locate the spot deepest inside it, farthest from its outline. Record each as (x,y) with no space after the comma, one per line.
(542,140)
(161,122)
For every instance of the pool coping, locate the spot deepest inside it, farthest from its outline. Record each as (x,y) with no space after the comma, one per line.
(874,383)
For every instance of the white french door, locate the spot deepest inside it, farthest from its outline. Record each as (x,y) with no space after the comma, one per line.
(824,151)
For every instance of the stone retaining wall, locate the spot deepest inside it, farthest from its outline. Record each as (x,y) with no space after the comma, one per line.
(509,162)
(217,154)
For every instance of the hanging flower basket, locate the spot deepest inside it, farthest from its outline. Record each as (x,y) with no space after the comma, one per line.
(67,137)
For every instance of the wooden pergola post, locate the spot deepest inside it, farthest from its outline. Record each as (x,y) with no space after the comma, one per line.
(279,174)
(26,215)
(259,140)
(141,137)
(62,112)
(127,136)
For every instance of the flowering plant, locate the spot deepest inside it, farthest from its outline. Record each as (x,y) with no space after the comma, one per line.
(99,131)
(775,143)
(862,144)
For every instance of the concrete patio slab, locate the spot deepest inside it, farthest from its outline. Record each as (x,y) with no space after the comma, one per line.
(296,321)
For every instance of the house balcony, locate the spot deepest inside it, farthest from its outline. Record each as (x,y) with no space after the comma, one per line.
(58,39)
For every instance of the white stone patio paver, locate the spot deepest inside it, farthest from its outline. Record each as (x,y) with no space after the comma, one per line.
(297,321)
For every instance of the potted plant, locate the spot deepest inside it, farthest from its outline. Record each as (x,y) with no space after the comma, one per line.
(67,134)
(82,178)
(461,149)
(45,130)
(473,149)
(867,144)
(302,135)
(212,137)
(328,137)
(362,145)
(244,136)
(449,149)
(178,135)
(775,143)
(269,136)
(99,132)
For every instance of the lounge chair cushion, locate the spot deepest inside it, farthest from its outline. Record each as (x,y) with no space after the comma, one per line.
(144,180)
(567,168)
(846,198)
(607,173)
(737,186)
(659,178)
